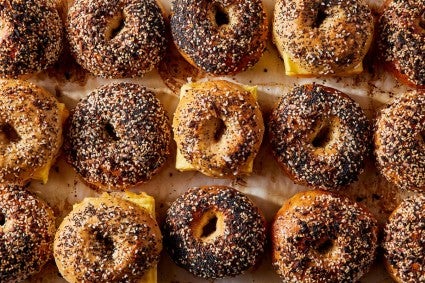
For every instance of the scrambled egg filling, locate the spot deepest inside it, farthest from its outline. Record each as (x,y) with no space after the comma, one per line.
(294,69)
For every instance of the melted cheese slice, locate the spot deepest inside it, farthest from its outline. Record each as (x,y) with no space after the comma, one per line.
(183,165)
(294,69)
(42,173)
(147,202)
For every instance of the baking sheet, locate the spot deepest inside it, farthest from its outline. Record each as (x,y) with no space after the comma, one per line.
(267,186)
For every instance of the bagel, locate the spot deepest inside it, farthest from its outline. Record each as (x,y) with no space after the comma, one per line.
(27,230)
(118,137)
(220,37)
(31,37)
(218,128)
(116,38)
(318,236)
(320,137)
(404,251)
(317,37)
(214,232)
(399,141)
(401,41)
(109,239)
(31,121)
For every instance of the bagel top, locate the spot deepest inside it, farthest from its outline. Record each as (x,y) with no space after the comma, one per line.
(399,141)
(221,37)
(320,236)
(117,38)
(107,239)
(320,136)
(31,37)
(402,40)
(323,37)
(118,136)
(31,122)
(218,127)
(27,229)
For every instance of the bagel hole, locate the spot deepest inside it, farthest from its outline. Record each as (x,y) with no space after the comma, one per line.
(109,129)
(219,130)
(115,26)
(8,134)
(323,137)
(102,244)
(325,246)
(2,219)
(210,227)
(221,16)
(422,136)
(422,20)
(320,18)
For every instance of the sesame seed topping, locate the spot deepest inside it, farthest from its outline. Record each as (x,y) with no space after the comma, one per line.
(31,36)
(296,127)
(402,39)
(27,231)
(107,239)
(30,130)
(218,128)
(118,136)
(404,237)
(237,248)
(220,49)
(319,236)
(131,48)
(323,36)
(399,141)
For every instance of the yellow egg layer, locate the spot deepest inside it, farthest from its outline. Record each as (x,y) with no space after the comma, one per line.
(294,69)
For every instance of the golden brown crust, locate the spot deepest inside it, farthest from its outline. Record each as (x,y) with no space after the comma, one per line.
(117,38)
(30,130)
(118,136)
(404,233)
(324,37)
(27,229)
(220,37)
(319,136)
(399,141)
(218,127)
(319,236)
(233,244)
(107,239)
(31,37)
